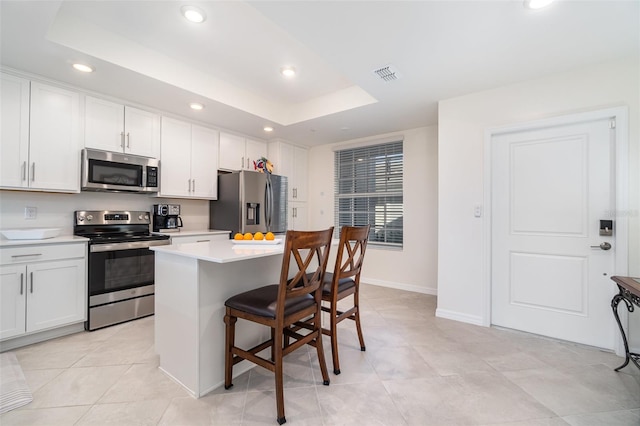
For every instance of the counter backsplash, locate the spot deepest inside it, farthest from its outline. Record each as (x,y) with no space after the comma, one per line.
(55,210)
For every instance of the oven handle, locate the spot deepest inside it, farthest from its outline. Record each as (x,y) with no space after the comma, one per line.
(95,248)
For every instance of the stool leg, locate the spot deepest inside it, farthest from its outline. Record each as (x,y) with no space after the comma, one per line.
(356,303)
(279,372)
(333,324)
(323,363)
(230,334)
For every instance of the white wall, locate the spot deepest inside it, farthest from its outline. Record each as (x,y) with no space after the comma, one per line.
(461,131)
(56,210)
(414,267)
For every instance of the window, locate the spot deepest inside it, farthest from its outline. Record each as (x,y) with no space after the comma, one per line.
(368,190)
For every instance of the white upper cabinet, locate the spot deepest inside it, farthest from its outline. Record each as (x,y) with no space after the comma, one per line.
(114,127)
(291,161)
(239,153)
(14,128)
(47,156)
(188,160)
(254,150)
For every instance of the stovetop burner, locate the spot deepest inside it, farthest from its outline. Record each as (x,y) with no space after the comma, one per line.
(109,226)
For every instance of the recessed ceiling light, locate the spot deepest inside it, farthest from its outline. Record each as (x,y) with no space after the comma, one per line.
(268,129)
(536,4)
(196,105)
(193,14)
(288,71)
(83,67)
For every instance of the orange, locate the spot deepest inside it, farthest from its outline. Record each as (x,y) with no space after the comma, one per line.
(248,236)
(238,236)
(270,236)
(259,236)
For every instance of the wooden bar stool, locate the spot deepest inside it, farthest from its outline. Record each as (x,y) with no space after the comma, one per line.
(280,306)
(344,282)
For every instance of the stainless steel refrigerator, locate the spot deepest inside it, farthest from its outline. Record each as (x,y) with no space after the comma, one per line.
(250,202)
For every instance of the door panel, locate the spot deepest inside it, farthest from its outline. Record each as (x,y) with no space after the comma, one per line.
(550,188)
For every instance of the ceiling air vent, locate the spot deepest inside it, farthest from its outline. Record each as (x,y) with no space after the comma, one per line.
(387,73)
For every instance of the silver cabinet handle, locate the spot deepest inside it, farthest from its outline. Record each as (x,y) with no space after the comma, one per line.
(295,212)
(26,255)
(21,283)
(242,163)
(603,246)
(189,180)
(33,171)
(128,140)
(31,273)
(122,140)
(194,185)
(24,170)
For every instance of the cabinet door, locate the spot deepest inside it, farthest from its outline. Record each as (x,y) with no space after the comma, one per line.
(300,168)
(254,150)
(55,143)
(231,152)
(56,294)
(142,132)
(103,125)
(14,131)
(12,300)
(204,163)
(175,158)
(298,217)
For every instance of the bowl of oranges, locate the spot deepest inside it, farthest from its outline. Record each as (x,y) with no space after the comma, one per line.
(256,239)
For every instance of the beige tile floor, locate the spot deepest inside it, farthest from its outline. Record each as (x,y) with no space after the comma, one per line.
(417,370)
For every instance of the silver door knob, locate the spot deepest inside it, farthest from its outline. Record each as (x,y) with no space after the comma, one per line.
(603,246)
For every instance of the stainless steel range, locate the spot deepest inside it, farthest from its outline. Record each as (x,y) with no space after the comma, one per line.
(120,266)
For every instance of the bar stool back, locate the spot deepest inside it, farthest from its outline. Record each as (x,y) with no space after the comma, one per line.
(280,306)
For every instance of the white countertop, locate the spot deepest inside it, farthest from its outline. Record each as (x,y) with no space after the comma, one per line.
(62,239)
(183,233)
(221,251)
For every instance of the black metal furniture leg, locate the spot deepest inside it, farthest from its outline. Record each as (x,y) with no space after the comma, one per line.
(614,305)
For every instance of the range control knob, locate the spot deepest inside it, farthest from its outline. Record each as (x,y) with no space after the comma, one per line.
(89,217)
(140,217)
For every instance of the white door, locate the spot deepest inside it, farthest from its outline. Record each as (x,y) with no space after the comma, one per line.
(550,189)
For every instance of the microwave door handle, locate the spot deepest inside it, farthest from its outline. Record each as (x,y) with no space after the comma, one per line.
(179,222)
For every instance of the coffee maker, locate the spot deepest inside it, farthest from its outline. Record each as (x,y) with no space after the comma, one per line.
(166,217)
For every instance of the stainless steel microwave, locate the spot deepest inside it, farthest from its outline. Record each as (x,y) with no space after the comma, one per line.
(113,171)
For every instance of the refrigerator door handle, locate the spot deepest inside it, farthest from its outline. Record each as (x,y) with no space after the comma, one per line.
(268,195)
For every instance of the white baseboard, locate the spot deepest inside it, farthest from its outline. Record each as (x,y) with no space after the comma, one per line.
(457,316)
(400,286)
(30,339)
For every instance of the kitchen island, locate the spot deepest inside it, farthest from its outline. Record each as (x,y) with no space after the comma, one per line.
(192,282)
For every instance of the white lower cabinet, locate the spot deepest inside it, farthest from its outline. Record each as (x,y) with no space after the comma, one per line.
(38,294)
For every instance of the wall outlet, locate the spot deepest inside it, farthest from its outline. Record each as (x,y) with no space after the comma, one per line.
(30,212)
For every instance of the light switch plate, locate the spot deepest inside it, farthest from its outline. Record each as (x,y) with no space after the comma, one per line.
(477,210)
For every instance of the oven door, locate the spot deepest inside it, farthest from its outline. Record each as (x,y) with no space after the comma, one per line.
(112,270)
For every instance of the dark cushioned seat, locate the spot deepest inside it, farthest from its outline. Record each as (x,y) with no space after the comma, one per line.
(262,302)
(343,283)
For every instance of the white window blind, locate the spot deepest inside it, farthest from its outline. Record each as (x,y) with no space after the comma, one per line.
(368,190)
